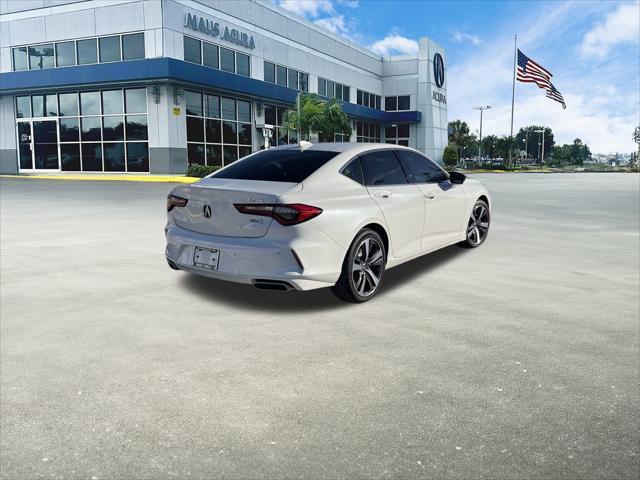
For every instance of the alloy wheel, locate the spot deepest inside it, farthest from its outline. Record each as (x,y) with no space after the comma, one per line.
(367,267)
(478,226)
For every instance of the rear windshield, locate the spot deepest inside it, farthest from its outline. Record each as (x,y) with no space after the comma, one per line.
(277,166)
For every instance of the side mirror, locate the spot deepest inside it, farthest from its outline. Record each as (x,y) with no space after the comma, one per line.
(457,177)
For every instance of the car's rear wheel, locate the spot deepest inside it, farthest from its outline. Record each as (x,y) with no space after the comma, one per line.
(362,269)
(478,225)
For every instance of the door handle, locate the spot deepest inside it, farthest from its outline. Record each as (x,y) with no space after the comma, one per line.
(430,196)
(382,194)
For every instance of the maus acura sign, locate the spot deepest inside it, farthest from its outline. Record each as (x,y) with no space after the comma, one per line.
(210,27)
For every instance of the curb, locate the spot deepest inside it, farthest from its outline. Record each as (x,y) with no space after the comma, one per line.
(111,178)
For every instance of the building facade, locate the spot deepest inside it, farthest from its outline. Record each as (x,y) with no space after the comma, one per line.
(153,86)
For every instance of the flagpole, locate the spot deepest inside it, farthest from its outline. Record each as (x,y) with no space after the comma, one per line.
(513,94)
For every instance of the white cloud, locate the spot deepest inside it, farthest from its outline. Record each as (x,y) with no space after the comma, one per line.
(395,44)
(349,3)
(460,37)
(619,26)
(336,24)
(307,8)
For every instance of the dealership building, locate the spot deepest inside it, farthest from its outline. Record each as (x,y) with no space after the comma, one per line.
(153,86)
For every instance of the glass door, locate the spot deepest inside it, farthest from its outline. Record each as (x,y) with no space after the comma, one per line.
(25,146)
(45,145)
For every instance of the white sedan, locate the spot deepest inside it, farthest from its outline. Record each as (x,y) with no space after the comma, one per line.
(307,216)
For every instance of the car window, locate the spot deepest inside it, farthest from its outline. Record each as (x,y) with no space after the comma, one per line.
(382,168)
(420,169)
(354,171)
(277,165)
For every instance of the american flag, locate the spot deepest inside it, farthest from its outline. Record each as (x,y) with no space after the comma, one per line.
(529,71)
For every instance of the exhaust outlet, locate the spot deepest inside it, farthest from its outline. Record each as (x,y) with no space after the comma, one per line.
(272,285)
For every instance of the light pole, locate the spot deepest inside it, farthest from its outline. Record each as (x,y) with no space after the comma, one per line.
(542,147)
(482,109)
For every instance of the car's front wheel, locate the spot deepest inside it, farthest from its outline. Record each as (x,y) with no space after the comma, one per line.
(478,225)
(362,269)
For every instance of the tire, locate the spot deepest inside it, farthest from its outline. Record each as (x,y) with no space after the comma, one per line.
(478,225)
(358,284)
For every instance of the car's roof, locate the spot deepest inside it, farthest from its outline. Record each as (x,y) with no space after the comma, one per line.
(336,146)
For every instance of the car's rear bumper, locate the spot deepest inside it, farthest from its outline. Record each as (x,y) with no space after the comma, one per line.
(255,260)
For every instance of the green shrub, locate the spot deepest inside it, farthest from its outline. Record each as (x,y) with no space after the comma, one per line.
(450,156)
(200,170)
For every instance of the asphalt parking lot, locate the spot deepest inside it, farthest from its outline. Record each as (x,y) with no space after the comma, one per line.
(519,359)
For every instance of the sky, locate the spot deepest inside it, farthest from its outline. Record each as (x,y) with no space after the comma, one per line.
(591,48)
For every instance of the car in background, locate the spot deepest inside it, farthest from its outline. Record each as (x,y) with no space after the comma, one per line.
(307,216)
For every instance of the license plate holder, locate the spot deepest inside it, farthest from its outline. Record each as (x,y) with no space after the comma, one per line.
(206,258)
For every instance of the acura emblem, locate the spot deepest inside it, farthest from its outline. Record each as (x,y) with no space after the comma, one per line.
(207,211)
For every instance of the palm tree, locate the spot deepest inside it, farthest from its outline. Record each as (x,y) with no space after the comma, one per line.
(318,116)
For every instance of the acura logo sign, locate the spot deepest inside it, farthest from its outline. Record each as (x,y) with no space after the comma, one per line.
(438,70)
(207,211)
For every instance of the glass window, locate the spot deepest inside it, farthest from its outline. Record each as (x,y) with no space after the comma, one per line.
(195,129)
(229,132)
(304,82)
(133,46)
(136,127)
(87,51)
(114,157)
(354,171)
(278,165)
(228,108)
(244,151)
(419,168)
(382,168)
(227,61)
(193,101)
(69,130)
(70,157)
(390,103)
(109,49)
(91,157)
(90,129)
(269,72)
(242,61)
(113,127)
(41,56)
(244,111)
(213,131)
(212,106)
(210,55)
(90,103)
(20,59)
(281,75)
(66,54)
(244,133)
(192,51)
(270,115)
(68,104)
(346,93)
(293,79)
(137,157)
(404,143)
(230,154)
(322,87)
(214,155)
(378,102)
(403,130)
(112,102)
(331,89)
(23,107)
(390,131)
(359,97)
(403,102)
(136,100)
(37,106)
(51,106)
(195,154)
(338,91)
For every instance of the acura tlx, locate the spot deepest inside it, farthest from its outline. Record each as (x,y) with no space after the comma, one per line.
(307,216)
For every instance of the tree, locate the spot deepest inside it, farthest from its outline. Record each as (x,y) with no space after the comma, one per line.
(318,116)
(465,142)
(489,145)
(450,156)
(579,152)
(636,136)
(529,138)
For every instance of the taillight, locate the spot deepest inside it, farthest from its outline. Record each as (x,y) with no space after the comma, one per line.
(175,201)
(284,214)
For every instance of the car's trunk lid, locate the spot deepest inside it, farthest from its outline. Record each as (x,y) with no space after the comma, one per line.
(216,198)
